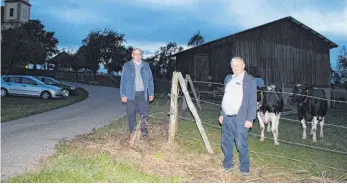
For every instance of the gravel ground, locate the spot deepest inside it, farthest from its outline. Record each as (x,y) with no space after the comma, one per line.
(25,141)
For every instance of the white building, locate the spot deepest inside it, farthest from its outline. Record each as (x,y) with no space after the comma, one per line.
(15,13)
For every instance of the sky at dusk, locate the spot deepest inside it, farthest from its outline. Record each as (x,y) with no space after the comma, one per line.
(149,24)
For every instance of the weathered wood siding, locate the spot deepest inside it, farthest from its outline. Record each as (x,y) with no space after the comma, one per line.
(280,53)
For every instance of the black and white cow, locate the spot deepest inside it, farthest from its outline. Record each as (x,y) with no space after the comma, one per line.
(270,106)
(310,110)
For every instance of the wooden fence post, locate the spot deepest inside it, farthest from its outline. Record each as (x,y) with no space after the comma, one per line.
(184,102)
(173,108)
(193,89)
(195,113)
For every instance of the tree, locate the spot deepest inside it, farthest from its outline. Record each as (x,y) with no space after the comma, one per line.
(124,55)
(342,63)
(196,40)
(163,62)
(104,47)
(29,43)
(75,60)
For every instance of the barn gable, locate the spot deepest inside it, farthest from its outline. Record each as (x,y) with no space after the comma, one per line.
(284,46)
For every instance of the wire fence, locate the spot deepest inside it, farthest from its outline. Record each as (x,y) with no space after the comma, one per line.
(288,93)
(278,92)
(280,140)
(276,156)
(288,142)
(257,152)
(219,105)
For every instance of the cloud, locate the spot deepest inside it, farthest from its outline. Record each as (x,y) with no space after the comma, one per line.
(159,4)
(260,12)
(77,15)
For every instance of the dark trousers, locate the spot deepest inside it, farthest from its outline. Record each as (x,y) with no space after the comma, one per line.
(139,104)
(233,131)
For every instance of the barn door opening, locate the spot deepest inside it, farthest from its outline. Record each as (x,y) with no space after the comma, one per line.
(201,67)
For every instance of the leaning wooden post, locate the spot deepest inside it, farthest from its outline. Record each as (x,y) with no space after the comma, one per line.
(173,108)
(184,102)
(193,89)
(195,113)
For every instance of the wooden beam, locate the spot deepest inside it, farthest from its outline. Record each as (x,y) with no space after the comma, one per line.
(193,89)
(195,113)
(184,102)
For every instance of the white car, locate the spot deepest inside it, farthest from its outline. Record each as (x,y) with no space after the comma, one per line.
(28,86)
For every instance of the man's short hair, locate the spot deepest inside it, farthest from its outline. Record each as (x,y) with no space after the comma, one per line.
(237,58)
(136,49)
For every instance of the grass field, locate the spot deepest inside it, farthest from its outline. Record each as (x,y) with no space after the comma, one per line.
(15,107)
(103,156)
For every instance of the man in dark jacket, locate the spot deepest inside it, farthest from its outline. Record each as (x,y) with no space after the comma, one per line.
(238,112)
(136,88)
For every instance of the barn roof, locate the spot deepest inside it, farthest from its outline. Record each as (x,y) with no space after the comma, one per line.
(329,42)
(2,13)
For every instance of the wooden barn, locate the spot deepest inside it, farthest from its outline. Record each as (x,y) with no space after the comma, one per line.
(284,51)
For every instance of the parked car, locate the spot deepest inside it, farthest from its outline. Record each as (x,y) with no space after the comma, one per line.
(67,89)
(23,85)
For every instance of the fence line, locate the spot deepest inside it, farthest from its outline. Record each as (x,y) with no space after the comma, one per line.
(338,126)
(326,124)
(288,142)
(267,154)
(339,101)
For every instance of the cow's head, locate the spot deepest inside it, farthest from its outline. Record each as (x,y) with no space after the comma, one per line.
(298,89)
(260,96)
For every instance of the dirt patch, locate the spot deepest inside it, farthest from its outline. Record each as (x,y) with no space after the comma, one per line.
(155,156)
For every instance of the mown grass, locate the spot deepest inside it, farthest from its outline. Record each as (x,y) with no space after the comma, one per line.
(75,163)
(79,166)
(15,107)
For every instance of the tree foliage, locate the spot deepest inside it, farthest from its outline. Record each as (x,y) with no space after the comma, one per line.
(342,63)
(105,47)
(29,43)
(196,40)
(163,62)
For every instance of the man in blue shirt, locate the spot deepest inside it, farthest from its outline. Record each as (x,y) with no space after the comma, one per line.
(136,88)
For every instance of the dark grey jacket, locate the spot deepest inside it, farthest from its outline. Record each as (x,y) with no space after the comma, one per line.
(248,109)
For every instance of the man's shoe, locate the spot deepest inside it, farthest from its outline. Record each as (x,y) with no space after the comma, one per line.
(228,169)
(245,174)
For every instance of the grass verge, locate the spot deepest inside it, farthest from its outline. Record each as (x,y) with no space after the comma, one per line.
(103,155)
(15,107)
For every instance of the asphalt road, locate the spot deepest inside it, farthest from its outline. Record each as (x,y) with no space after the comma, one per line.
(25,141)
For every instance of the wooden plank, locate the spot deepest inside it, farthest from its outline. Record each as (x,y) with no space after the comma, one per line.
(135,136)
(195,113)
(193,89)
(184,102)
(173,108)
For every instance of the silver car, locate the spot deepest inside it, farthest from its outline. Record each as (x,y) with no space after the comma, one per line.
(28,86)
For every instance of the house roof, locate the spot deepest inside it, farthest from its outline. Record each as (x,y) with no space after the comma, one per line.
(57,58)
(11,1)
(331,44)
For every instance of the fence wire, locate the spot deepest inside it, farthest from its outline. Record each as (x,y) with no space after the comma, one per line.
(288,142)
(277,156)
(288,93)
(261,153)
(215,104)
